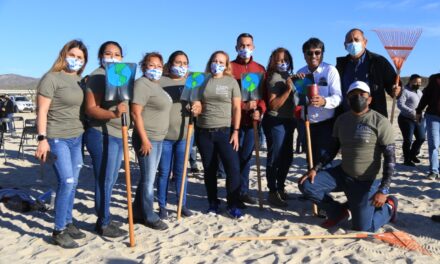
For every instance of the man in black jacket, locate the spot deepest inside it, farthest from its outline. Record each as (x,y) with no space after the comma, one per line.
(363,65)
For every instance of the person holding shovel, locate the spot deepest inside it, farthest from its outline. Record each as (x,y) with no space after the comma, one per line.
(104,139)
(150,111)
(173,147)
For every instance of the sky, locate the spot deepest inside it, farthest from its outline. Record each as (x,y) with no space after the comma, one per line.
(33,32)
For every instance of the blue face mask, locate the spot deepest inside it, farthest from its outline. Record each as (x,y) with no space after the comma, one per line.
(217,68)
(283,67)
(153,74)
(354,48)
(179,70)
(245,53)
(108,60)
(74,64)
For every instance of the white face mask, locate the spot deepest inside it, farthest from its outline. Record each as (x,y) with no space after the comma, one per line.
(245,53)
(153,74)
(179,70)
(354,48)
(74,64)
(108,60)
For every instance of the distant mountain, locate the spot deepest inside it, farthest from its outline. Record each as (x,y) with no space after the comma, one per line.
(17,82)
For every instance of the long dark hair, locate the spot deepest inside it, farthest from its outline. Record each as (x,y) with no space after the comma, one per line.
(167,66)
(104,45)
(272,64)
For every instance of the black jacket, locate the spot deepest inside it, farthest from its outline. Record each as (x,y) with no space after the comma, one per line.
(431,97)
(381,78)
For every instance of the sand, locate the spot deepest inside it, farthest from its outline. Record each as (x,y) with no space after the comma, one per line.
(25,237)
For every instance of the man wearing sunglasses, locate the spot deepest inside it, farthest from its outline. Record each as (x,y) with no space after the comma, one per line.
(321,107)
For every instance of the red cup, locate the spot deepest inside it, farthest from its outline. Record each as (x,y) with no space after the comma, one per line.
(312,90)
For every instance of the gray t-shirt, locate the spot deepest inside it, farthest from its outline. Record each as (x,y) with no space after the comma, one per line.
(179,116)
(277,86)
(157,105)
(65,113)
(217,102)
(96,84)
(361,138)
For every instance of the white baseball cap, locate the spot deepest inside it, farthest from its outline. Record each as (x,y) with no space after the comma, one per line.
(359,85)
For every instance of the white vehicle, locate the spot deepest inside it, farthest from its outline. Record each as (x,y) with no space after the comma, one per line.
(22,103)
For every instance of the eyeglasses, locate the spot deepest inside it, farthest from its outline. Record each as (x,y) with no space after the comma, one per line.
(316,53)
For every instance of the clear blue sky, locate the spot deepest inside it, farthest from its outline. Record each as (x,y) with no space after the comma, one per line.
(33,32)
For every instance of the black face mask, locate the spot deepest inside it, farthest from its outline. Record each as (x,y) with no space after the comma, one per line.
(358,103)
(415,87)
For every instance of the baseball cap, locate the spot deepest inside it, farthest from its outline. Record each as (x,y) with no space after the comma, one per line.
(359,85)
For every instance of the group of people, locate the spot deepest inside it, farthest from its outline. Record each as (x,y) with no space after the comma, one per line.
(348,114)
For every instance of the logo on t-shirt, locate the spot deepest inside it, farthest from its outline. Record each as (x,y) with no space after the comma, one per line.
(322,81)
(363,132)
(222,90)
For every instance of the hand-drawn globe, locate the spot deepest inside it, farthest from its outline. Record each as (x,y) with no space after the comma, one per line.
(251,82)
(119,74)
(194,80)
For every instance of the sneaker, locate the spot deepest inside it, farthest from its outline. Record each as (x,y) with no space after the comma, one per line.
(284,195)
(435,218)
(235,213)
(433,176)
(415,160)
(409,163)
(158,225)
(275,200)
(74,232)
(392,201)
(333,222)
(213,209)
(246,198)
(186,212)
(163,213)
(63,239)
(110,231)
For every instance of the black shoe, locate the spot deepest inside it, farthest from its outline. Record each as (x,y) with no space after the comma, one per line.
(240,205)
(186,212)
(116,224)
(246,198)
(111,231)
(158,225)
(415,160)
(163,213)
(409,163)
(435,218)
(432,176)
(284,195)
(63,239)
(275,200)
(74,232)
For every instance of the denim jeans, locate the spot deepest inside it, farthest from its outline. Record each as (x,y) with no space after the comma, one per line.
(321,138)
(247,143)
(11,127)
(106,153)
(213,142)
(67,167)
(409,129)
(365,217)
(279,137)
(173,154)
(144,198)
(433,129)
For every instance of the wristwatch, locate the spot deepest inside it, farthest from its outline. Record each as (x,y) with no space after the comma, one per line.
(385,191)
(41,137)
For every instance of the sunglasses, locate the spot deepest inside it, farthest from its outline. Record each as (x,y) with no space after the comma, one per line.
(316,53)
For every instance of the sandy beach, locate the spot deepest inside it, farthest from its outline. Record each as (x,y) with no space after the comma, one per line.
(25,237)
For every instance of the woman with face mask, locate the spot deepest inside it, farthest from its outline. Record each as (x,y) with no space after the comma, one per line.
(104,138)
(279,124)
(173,147)
(150,111)
(407,104)
(218,123)
(60,131)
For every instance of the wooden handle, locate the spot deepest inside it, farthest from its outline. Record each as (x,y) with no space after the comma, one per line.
(128,184)
(310,158)
(185,166)
(257,162)
(361,235)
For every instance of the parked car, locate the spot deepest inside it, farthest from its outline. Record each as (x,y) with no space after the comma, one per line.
(22,103)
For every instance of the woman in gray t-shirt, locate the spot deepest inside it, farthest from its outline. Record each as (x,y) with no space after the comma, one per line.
(218,110)
(60,130)
(150,111)
(103,138)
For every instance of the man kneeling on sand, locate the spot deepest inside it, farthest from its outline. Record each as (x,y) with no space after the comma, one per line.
(363,135)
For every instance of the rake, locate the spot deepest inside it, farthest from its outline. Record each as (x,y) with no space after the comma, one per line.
(399,43)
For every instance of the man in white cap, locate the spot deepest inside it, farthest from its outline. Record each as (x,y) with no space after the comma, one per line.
(363,136)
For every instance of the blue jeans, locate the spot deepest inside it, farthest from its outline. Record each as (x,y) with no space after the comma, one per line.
(279,137)
(365,217)
(11,127)
(433,129)
(213,142)
(67,167)
(173,154)
(409,129)
(321,138)
(247,143)
(106,153)
(144,198)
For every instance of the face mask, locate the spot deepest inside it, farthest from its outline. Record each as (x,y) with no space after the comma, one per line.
(358,103)
(217,68)
(354,48)
(109,60)
(179,70)
(153,74)
(415,86)
(283,67)
(245,53)
(74,64)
